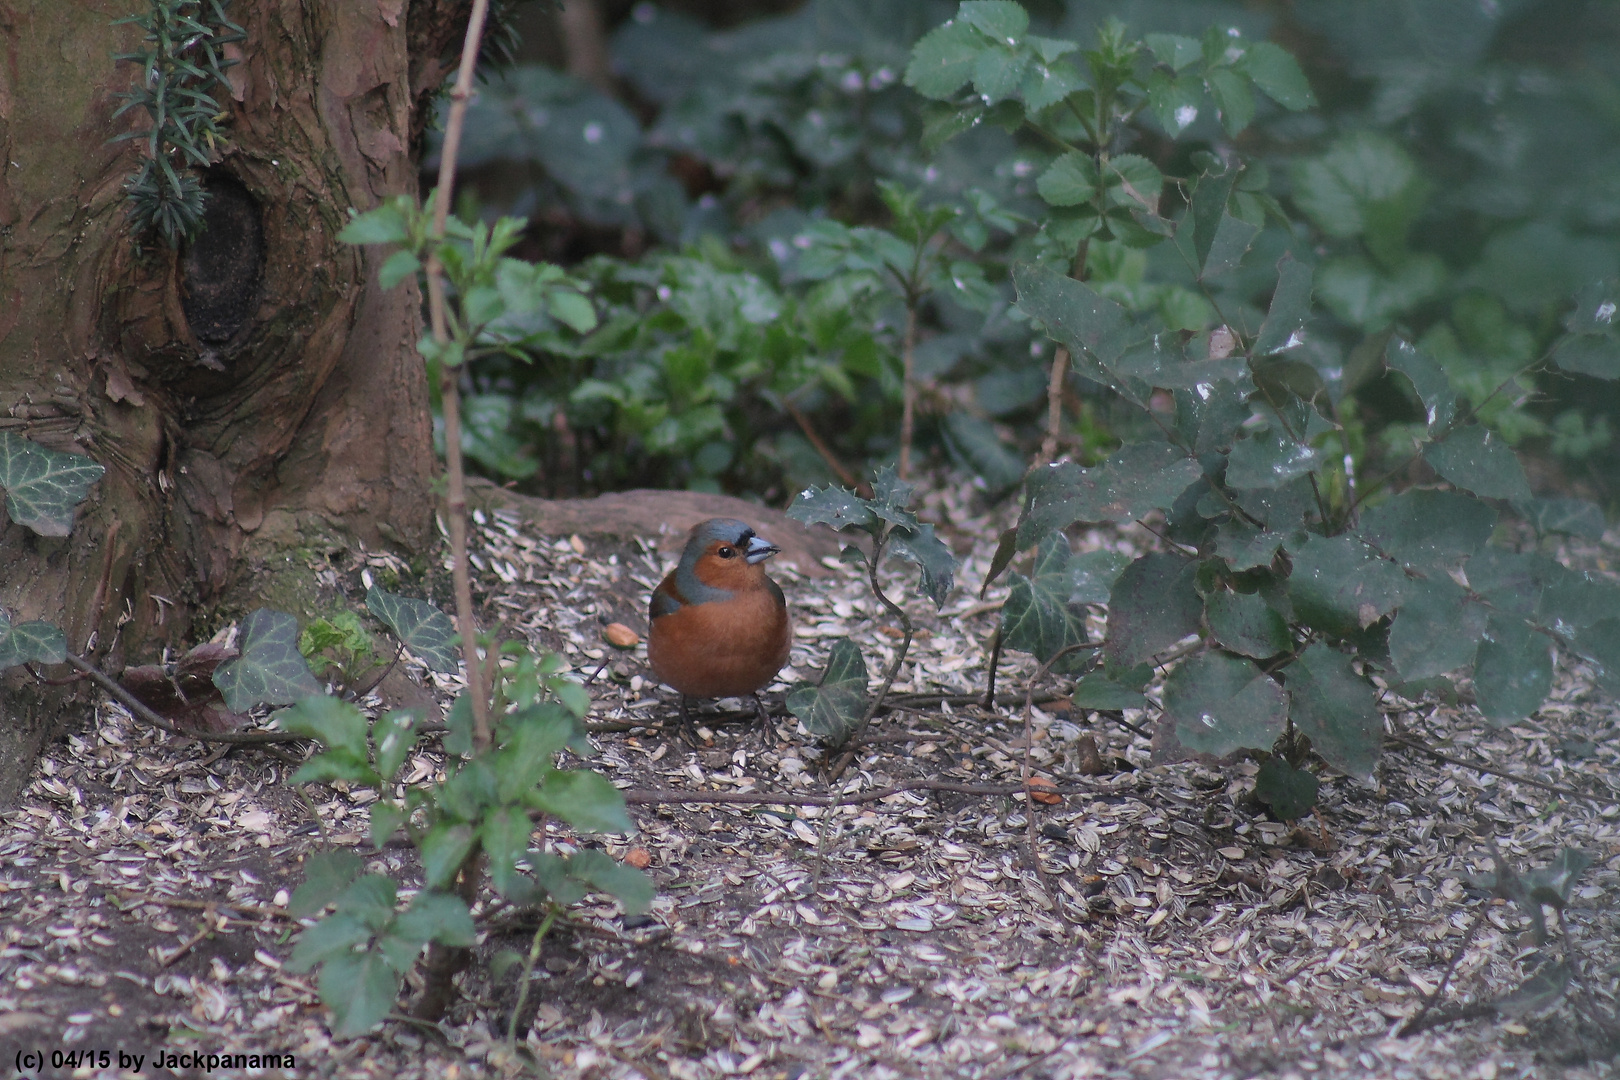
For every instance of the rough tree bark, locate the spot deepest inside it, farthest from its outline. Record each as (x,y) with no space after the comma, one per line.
(254,394)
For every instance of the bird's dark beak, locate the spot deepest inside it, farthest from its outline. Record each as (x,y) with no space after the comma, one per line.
(759,550)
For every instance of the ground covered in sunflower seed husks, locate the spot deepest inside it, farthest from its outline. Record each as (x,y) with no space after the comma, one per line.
(1170,929)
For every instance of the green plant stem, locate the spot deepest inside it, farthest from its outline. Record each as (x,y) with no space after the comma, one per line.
(528,972)
(450,394)
(908,389)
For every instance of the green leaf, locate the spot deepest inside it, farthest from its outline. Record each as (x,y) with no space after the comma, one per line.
(1244,623)
(1175,100)
(1175,50)
(1597,355)
(1436,630)
(629,886)
(333,721)
(1576,517)
(942,61)
(425,630)
(387,224)
(571,309)
(1006,551)
(1428,381)
(933,559)
(332,936)
(43,486)
(1094,574)
(1270,459)
(1476,459)
(1069,181)
(1244,547)
(1339,585)
(1290,792)
(584,799)
(1543,989)
(831,709)
(1138,478)
(1429,530)
(1277,74)
(326,875)
(444,849)
(1221,704)
(891,496)
(1234,98)
(386,819)
(437,916)
(998,71)
(360,989)
(1208,210)
(1153,606)
(1074,314)
(833,506)
(34,642)
(1512,670)
(1365,185)
(1231,243)
(1290,307)
(1337,710)
(1597,309)
(398,267)
(271,670)
(1574,599)
(1601,642)
(1099,691)
(975,441)
(1037,617)
(998,19)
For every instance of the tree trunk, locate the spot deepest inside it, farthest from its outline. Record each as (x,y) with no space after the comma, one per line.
(256,392)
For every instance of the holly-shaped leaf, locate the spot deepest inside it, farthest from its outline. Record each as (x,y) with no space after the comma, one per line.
(1137,479)
(35,642)
(1270,459)
(1245,624)
(1512,670)
(1436,630)
(833,506)
(271,670)
(1477,459)
(833,708)
(1290,307)
(890,498)
(1222,703)
(1428,379)
(1429,530)
(43,486)
(425,630)
(1339,585)
(933,559)
(1337,710)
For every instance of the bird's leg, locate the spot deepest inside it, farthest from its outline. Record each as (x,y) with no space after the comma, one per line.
(689,733)
(762,722)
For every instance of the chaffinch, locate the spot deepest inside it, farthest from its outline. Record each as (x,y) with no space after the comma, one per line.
(718,624)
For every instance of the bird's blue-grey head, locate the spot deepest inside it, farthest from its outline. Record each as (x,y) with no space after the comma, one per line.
(737,540)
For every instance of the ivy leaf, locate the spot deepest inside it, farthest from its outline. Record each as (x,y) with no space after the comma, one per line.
(1221,703)
(932,557)
(1290,792)
(1290,307)
(43,486)
(1337,710)
(1094,574)
(425,630)
(1136,479)
(1477,459)
(35,642)
(1276,72)
(1006,551)
(1244,623)
(1512,671)
(1339,585)
(1429,530)
(360,989)
(1153,606)
(1099,690)
(833,506)
(1037,617)
(831,709)
(1437,628)
(271,670)
(942,61)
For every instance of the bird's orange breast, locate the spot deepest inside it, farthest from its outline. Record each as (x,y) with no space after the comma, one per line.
(725,648)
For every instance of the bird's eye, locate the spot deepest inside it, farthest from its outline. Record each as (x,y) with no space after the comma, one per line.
(727,552)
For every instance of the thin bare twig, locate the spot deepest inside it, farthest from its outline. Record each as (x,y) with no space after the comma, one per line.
(908,390)
(1479,766)
(1054,406)
(840,470)
(667,796)
(143,713)
(894,669)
